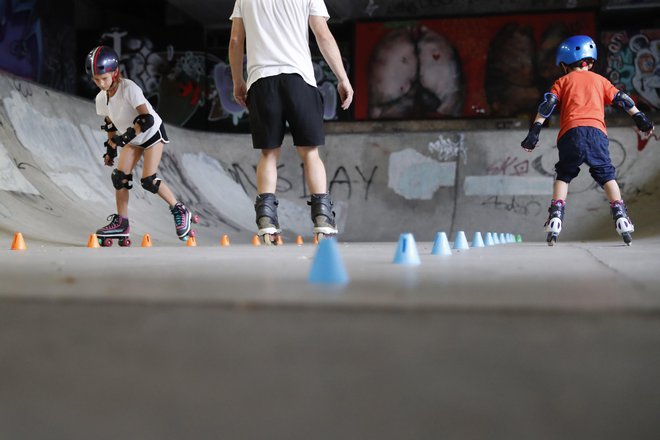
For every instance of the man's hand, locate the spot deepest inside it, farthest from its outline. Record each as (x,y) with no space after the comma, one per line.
(240,93)
(345,93)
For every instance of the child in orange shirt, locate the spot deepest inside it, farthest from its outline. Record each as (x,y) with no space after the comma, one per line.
(582,96)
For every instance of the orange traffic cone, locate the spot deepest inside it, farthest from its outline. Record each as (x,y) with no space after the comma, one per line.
(93,241)
(279,241)
(256,241)
(316,239)
(191,242)
(146,241)
(224,241)
(18,244)
(299,240)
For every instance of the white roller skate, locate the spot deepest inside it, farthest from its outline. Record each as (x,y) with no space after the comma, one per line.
(555,218)
(265,207)
(622,223)
(323,216)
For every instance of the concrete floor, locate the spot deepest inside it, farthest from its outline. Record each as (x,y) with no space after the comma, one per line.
(514,341)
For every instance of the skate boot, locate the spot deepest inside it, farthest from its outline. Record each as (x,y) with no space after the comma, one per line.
(555,218)
(265,207)
(622,223)
(118,228)
(182,221)
(323,216)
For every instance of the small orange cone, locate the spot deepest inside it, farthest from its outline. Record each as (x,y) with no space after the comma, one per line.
(299,240)
(18,244)
(256,241)
(279,241)
(93,241)
(146,241)
(316,239)
(224,241)
(191,242)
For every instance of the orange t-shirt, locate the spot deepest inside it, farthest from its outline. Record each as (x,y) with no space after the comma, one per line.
(582,98)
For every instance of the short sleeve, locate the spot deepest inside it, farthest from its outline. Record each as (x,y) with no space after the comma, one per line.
(318,8)
(134,95)
(237,10)
(101,108)
(610,91)
(556,90)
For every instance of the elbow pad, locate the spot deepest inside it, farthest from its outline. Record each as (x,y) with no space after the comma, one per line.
(548,105)
(144,121)
(624,101)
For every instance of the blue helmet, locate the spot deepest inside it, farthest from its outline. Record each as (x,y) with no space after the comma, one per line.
(576,48)
(100,60)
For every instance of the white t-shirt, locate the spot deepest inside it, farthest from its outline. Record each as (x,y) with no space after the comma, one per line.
(277,36)
(122,109)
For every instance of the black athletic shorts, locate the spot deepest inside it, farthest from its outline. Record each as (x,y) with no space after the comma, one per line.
(275,100)
(159,136)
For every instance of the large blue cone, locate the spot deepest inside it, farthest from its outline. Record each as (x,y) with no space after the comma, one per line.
(488,241)
(477,240)
(406,251)
(328,267)
(441,245)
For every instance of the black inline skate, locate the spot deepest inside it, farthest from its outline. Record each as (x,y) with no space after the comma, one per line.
(323,216)
(622,223)
(555,218)
(118,228)
(265,207)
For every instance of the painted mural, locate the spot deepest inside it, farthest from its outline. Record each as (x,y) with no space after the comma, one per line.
(460,67)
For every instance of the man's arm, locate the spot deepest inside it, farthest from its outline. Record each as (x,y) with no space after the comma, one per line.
(236,51)
(330,52)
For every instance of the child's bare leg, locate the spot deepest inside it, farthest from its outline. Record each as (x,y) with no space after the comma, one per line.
(128,158)
(612,190)
(152,158)
(559,190)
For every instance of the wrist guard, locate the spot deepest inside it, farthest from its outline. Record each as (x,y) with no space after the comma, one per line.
(122,139)
(109,126)
(529,143)
(109,151)
(642,122)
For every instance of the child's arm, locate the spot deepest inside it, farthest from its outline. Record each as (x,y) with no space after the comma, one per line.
(544,111)
(641,121)
(110,151)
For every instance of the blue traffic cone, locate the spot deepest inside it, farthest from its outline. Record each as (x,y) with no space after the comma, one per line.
(406,251)
(460,241)
(328,267)
(503,238)
(477,240)
(441,245)
(496,238)
(488,241)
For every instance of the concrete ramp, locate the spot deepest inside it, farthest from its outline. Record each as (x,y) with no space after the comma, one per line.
(55,189)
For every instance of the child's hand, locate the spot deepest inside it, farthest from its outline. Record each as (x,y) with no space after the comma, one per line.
(529,143)
(643,123)
(110,153)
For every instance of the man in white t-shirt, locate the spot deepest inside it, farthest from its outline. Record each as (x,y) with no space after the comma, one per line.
(281,88)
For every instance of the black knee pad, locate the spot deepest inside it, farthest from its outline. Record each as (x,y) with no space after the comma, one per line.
(121,180)
(151,183)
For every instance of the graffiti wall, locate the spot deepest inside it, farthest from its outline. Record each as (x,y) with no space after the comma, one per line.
(463,67)
(633,64)
(37,41)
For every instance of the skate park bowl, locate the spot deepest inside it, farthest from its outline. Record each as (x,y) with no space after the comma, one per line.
(517,340)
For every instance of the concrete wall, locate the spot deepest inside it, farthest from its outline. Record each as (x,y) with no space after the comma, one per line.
(54,188)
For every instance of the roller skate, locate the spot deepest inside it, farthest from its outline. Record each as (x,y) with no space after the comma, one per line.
(323,216)
(117,228)
(182,221)
(555,218)
(265,207)
(622,223)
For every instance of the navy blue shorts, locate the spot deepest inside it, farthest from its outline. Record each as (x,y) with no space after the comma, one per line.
(584,145)
(275,100)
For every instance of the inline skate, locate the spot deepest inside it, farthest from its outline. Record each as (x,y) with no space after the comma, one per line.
(622,223)
(323,216)
(555,218)
(265,207)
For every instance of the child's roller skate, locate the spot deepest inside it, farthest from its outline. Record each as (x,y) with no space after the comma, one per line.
(622,223)
(265,207)
(182,221)
(555,218)
(323,216)
(117,228)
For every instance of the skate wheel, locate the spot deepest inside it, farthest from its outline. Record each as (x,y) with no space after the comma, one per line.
(192,233)
(627,238)
(321,236)
(124,242)
(269,239)
(107,242)
(195,219)
(551,239)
